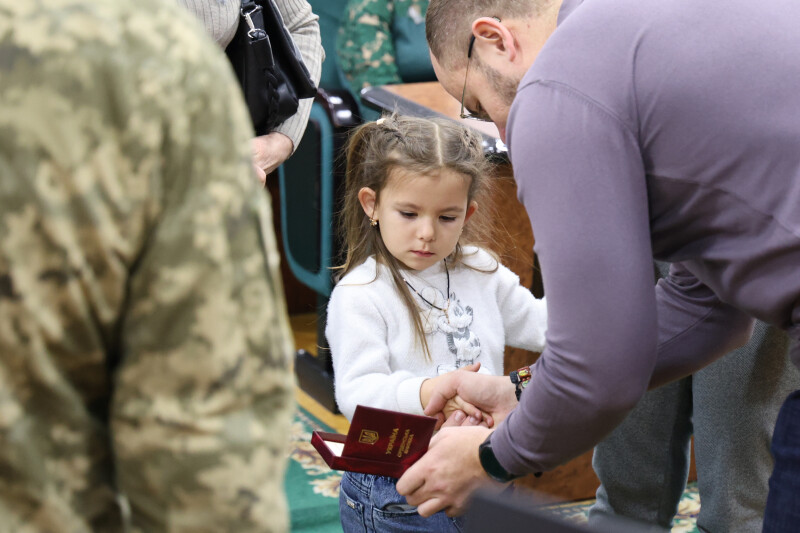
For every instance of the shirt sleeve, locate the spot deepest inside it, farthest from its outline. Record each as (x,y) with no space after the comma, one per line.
(203,398)
(581,179)
(358,335)
(303,24)
(365,46)
(608,329)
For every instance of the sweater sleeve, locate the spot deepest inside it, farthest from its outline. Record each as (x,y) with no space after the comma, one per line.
(583,186)
(358,333)
(524,315)
(608,328)
(219,17)
(302,24)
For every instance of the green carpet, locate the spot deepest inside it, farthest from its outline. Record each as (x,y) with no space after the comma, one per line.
(313,489)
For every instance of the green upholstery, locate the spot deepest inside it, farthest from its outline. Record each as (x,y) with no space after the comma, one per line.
(330,15)
(308,180)
(307,205)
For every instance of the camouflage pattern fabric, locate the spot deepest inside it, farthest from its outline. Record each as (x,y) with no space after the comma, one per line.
(145,371)
(366,51)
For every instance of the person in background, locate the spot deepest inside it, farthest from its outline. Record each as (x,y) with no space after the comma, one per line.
(730,407)
(382,42)
(221,18)
(418,301)
(145,378)
(634,135)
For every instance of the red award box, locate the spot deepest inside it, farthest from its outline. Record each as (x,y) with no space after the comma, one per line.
(379,442)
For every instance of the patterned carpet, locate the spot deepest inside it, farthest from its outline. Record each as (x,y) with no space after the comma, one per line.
(313,489)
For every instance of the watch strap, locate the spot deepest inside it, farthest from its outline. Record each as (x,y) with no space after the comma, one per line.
(491,465)
(520,378)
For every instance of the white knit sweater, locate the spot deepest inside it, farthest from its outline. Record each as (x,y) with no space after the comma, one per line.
(377,361)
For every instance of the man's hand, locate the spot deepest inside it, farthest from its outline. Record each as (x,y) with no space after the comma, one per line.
(455,410)
(269,151)
(448,473)
(491,394)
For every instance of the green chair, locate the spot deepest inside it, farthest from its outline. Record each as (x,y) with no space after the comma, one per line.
(311,182)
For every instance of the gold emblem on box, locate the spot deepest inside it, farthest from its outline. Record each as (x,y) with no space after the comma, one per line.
(368,436)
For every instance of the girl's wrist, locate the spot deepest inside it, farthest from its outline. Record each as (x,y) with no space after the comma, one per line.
(426,390)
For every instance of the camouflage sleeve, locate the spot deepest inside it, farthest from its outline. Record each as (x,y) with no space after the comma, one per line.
(134,236)
(365,46)
(204,397)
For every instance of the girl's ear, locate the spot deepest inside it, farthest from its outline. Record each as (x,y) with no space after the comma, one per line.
(366,198)
(471,208)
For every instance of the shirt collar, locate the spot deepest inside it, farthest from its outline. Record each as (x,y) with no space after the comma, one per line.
(567,7)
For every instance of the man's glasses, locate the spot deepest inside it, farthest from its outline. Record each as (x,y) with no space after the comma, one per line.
(464,113)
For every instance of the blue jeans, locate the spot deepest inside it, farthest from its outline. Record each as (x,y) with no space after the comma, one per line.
(782,514)
(371,504)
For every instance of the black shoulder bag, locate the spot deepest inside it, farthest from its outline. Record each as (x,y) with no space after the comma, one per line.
(268,65)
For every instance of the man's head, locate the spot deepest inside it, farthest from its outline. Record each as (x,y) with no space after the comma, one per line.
(508,36)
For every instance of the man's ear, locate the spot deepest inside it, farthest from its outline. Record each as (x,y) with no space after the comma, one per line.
(471,208)
(367,198)
(492,36)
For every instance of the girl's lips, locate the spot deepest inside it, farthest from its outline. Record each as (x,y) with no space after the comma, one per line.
(423,254)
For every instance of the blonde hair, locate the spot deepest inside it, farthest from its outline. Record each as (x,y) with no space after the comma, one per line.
(417,146)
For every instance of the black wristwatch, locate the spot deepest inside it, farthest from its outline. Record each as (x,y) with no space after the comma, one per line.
(490,463)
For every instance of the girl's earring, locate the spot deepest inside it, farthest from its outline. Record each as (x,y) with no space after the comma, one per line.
(373,222)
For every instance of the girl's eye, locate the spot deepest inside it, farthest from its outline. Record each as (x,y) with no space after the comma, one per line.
(447,218)
(408,214)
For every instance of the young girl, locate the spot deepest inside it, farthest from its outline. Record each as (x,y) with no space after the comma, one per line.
(416,299)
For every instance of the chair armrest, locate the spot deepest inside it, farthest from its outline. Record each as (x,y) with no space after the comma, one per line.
(340,106)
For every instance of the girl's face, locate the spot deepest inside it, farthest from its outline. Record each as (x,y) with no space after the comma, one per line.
(420,216)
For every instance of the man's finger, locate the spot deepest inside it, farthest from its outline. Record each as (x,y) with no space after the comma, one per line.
(468,408)
(430,507)
(412,480)
(474,367)
(436,403)
(440,421)
(455,419)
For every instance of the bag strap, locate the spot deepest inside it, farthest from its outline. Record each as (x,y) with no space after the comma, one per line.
(257,33)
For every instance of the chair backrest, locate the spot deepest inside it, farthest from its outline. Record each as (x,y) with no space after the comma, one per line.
(330,15)
(311,180)
(307,198)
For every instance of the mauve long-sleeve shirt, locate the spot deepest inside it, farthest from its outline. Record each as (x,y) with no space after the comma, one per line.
(651,129)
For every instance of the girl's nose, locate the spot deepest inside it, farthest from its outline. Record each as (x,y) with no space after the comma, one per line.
(426,230)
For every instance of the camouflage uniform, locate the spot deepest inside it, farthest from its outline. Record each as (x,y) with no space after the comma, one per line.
(365,44)
(145,375)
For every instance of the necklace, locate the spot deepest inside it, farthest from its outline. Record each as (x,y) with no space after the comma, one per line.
(447,303)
